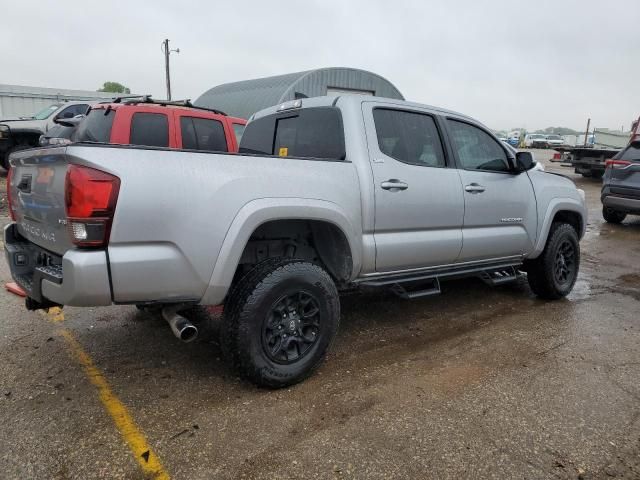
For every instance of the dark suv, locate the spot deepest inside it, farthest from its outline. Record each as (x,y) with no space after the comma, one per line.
(621,185)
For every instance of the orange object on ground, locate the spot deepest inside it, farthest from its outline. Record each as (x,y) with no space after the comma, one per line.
(215,309)
(13,287)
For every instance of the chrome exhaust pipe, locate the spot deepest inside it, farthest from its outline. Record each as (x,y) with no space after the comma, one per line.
(182,328)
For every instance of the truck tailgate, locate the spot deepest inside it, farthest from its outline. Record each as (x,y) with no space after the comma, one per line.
(37,194)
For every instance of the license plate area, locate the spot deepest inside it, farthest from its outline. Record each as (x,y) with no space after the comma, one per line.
(30,264)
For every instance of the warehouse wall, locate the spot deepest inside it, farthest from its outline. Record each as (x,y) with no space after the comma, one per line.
(22,101)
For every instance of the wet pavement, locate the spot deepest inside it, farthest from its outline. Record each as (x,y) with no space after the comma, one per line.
(479,382)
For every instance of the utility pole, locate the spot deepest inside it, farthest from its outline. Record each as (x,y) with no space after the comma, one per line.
(165,49)
(586,134)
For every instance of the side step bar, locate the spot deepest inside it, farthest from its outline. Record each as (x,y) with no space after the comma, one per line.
(432,287)
(499,276)
(423,284)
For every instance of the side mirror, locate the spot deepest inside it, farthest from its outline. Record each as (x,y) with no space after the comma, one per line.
(525,161)
(70,122)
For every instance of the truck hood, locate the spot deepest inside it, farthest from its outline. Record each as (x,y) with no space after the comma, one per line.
(28,124)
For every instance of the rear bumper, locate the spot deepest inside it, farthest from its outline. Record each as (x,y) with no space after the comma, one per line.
(79,278)
(621,204)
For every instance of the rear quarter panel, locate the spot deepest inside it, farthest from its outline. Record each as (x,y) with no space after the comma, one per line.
(175,209)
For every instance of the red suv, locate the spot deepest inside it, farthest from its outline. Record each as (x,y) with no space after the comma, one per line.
(155,123)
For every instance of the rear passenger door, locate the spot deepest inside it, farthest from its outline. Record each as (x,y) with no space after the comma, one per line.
(419,205)
(500,213)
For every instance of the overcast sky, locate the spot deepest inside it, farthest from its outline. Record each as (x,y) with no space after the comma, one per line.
(508,63)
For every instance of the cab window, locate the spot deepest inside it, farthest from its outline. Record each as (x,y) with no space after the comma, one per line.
(409,137)
(149,129)
(203,134)
(476,149)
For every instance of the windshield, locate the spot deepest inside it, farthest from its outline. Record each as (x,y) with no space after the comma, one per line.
(46,113)
(554,137)
(537,136)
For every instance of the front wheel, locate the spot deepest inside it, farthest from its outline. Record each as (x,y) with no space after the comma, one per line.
(611,216)
(279,322)
(553,274)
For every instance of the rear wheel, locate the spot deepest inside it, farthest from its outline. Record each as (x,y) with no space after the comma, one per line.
(553,274)
(611,216)
(279,322)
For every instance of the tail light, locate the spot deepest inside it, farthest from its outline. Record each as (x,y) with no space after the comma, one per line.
(90,198)
(557,156)
(616,164)
(12,212)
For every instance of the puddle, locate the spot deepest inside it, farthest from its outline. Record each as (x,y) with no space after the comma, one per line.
(581,290)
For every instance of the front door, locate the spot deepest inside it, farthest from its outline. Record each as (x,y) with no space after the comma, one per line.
(500,218)
(419,205)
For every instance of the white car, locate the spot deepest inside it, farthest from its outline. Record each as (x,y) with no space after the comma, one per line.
(535,140)
(555,141)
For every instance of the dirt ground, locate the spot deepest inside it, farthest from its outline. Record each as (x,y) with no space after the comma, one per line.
(479,382)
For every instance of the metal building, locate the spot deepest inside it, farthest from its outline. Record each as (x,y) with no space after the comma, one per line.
(242,99)
(20,101)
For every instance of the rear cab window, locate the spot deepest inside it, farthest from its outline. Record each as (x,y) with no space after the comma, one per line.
(96,127)
(308,133)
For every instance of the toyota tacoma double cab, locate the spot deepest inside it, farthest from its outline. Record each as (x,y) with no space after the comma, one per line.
(326,194)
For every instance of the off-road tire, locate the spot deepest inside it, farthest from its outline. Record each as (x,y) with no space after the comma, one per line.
(250,306)
(611,216)
(541,271)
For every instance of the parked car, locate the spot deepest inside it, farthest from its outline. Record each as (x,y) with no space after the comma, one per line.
(554,141)
(158,123)
(326,194)
(25,132)
(621,185)
(535,140)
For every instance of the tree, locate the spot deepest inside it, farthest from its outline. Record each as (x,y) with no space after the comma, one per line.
(114,87)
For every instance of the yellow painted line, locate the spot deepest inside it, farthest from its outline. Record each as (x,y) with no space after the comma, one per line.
(146,458)
(55,314)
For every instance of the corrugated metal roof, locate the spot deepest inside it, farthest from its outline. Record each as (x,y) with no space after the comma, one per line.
(244,98)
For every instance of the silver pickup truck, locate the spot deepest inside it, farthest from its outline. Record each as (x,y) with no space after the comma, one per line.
(326,194)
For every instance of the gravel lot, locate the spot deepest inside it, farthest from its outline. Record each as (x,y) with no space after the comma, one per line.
(478,382)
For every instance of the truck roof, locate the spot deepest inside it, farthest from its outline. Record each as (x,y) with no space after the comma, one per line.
(162,105)
(355,99)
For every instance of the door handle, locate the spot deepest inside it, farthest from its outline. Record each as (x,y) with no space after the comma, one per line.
(474,188)
(394,185)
